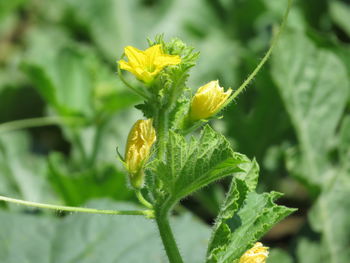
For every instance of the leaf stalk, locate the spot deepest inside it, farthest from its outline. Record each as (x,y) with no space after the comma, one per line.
(147,213)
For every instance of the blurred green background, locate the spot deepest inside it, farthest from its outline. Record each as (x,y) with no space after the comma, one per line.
(58,58)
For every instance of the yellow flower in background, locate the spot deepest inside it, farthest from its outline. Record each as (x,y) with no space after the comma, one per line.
(140,140)
(146,65)
(208,100)
(257,254)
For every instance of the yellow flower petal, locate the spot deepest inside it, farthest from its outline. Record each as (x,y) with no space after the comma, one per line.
(153,52)
(165,60)
(125,65)
(135,56)
(146,65)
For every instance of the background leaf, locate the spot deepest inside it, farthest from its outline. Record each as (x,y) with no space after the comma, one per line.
(306,78)
(91,238)
(315,90)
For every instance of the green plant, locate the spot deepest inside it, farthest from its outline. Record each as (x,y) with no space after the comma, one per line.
(178,166)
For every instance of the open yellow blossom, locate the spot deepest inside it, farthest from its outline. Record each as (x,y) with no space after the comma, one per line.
(140,140)
(208,100)
(257,254)
(146,65)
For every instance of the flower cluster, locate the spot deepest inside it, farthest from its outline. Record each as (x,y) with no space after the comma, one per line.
(147,65)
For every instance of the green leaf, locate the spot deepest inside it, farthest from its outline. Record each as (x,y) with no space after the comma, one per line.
(221,235)
(279,256)
(23,175)
(25,238)
(82,238)
(65,82)
(244,218)
(340,13)
(6,7)
(114,24)
(330,216)
(209,159)
(76,187)
(314,86)
(309,251)
(192,165)
(344,143)
(42,83)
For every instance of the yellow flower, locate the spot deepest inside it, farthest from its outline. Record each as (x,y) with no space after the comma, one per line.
(257,254)
(208,100)
(140,140)
(146,65)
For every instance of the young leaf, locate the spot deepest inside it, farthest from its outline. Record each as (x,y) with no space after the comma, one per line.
(244,218)
(192,165)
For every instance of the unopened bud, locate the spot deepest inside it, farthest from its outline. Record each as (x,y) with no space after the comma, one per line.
(257,254)
(208,100)
(140,140)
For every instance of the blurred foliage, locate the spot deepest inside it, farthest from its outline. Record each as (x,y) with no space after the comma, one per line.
(57,58)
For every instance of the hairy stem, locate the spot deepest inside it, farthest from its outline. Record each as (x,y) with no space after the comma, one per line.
(162,132)
(146,213)
(162,212)
(136,90)
(167,237)
(265,58)
(143,200)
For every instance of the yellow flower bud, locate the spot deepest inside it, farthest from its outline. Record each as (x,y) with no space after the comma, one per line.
(140,140)
(257,254)
(146,65)
(208,100)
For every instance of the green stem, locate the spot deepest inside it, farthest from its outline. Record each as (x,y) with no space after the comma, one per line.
(143,200)
(162,132)
(161,213)
(265,58)
(146,213)
(167,237)
(136,90)
(35,122)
